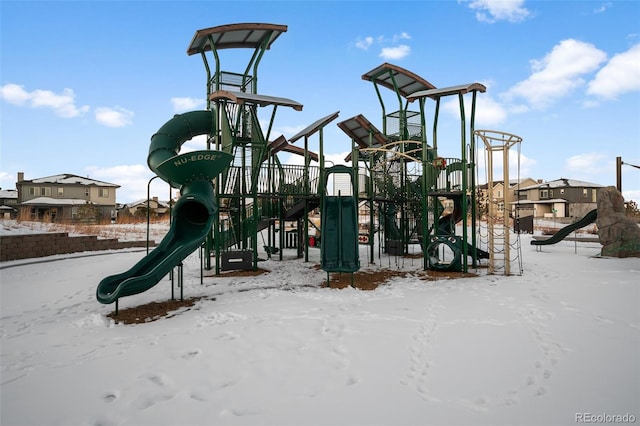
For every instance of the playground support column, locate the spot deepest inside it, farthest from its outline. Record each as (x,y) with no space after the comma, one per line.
(463,141)
(371,214)
(425,185)
(619,174)
(506,209)
(149,208)
(307,192)
(490,218)
(370,189)
(472,168)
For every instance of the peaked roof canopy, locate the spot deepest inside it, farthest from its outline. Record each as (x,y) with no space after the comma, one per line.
(314,127)
(251,98)
(361,130)
(446,91)
(281,144)
(249,35)
(406,81)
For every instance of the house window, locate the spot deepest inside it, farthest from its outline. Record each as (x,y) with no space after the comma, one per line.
(551,193)
(562,191)
(593,195)
(544,193)
(60,191)
(584,192)
(499,194)
(37,191)
(86,192)
(103,192)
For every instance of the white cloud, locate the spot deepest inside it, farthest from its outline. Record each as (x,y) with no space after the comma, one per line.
(589,163)
(394,53)
(14,94)
(9,179)
(621,75)
(401,36)
(491,11)
(397,51)
(114,117)
(488,111)
(63,104)
(558,73)
(364,43)
(631,195)
(133,180)
(517,169)
(335,159)
(195,144)
(186,104)
(287,131)
(603,7)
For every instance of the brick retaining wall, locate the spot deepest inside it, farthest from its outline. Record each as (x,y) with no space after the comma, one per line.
(14,247)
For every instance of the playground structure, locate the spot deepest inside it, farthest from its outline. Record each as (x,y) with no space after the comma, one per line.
(406,179)
(238,190)
(499,241)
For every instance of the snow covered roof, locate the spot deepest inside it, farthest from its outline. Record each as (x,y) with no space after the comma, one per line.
(8,193)
(551,201)
(69,179)
(48,201)
(144,202)
(564,183)
(512,182)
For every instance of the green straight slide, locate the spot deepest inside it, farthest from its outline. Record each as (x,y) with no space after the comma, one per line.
(589,218)
(339,251)
(192,215)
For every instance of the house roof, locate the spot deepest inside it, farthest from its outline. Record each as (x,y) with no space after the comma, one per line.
(48,201)
(8,193)
(70,179)
(512,183)
(551,201)
(564,183)
(143,202)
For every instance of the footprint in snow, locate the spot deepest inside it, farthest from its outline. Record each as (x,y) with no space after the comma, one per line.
(191,354)
(110,396)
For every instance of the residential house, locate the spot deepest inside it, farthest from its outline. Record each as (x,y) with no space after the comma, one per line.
(66,198)
(155,207)
(8,201)
(494,202)
(560,198)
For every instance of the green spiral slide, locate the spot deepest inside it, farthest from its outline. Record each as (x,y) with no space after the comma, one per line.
(192,215)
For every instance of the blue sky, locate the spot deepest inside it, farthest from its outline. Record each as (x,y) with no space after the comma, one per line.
(84,85)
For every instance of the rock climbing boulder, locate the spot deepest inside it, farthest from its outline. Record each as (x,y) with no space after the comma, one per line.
(618,234)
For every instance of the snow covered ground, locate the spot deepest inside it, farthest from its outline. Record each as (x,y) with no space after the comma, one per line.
(557,345)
